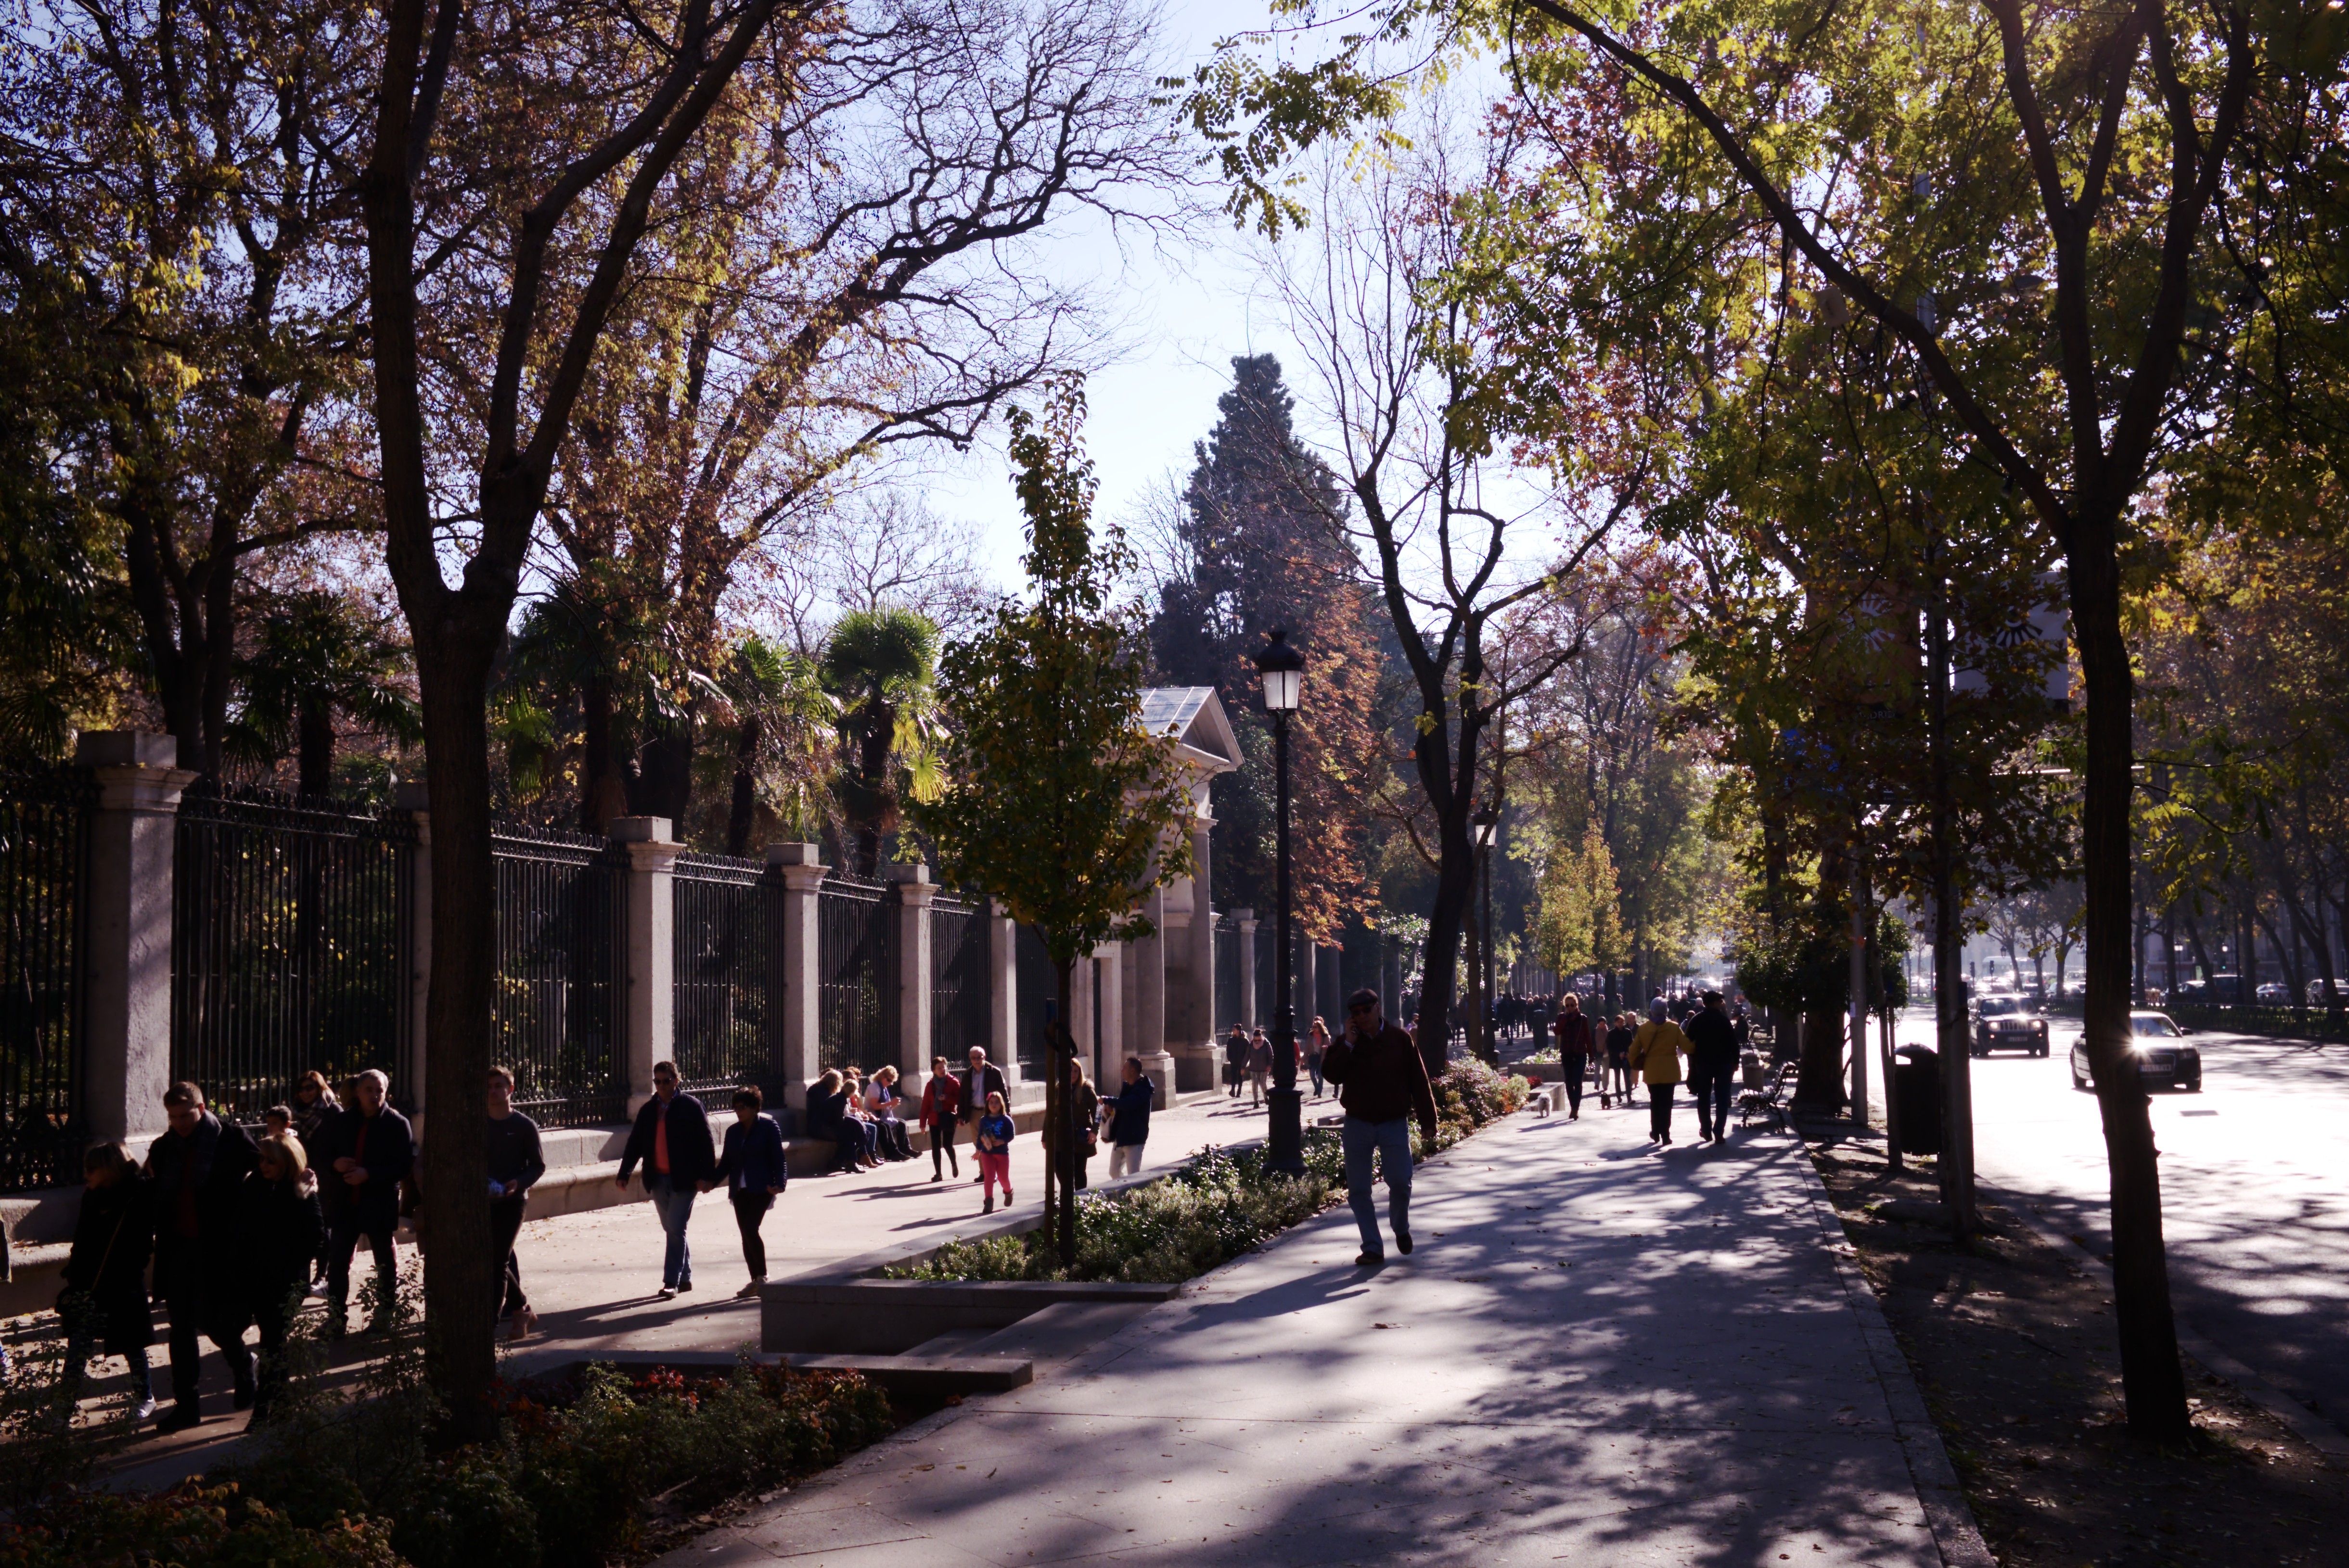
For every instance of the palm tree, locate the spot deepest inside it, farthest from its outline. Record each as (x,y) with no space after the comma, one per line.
(784,721)
(881,666)
(316,655)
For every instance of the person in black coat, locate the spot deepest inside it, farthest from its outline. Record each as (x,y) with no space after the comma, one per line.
(375,1148)
(671,1140)
(282,1230)
(755,1169)
(104,1298)
(828,1118)
(197,1167)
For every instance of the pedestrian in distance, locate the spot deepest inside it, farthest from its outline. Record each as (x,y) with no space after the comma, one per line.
(993,1146)
(317,1122)
(197,1167)
(1618,1070)
(277,1121)
(755,1169)
(1658,1051)
(1317,1044)
(517,1159)
(1574,1044)
(374,1153)
(941,1101)
(977,1081)
(1082,1111)
(104,1302)
(280,1230)
(1236,1047)
(827,1117)
(1129,1122)
(1382,1085)
(671,1140)
(1712,1068)
(1259,1066)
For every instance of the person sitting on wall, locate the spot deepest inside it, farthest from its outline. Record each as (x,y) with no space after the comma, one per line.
(827,1117)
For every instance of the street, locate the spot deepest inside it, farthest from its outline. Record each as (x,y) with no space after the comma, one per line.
(2255,1190)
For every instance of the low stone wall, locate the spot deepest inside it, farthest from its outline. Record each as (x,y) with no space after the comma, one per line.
(890,1317)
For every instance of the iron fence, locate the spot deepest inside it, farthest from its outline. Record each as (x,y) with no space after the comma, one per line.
(561,919)
(960,986)
(727,954)
(856,952)
(290,929)
(1227,974)
(1034,982)
(44,856)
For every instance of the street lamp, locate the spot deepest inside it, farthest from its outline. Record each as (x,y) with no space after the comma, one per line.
(1486,822)
(1281,668)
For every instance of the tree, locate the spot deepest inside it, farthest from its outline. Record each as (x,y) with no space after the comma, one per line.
(583,180)
(879,667)
(314,655)
(1059,803)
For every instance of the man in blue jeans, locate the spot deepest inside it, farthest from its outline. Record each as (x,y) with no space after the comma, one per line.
(671,1140)
(1382,1085)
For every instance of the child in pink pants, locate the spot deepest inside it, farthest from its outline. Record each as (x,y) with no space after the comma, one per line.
(993,1146)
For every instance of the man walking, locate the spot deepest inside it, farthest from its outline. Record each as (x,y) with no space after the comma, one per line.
(1128,1122)
(1382,1085)
(1657,1052)
(516,1162)
(374,1153)
(1574,1040)
(671,1140)
(976,1082)
(199,1167)
(1712,1068)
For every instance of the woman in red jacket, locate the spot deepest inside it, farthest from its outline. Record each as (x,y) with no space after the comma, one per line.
(941,1103)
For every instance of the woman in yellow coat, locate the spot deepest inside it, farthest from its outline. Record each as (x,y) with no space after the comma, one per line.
(1659,1056)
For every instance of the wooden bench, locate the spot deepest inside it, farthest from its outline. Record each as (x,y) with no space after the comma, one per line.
(1770,1099)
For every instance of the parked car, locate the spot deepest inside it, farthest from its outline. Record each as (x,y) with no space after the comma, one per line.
(2316,997)
(2009,1024)
(2164,1060)
(2275,992)
(2219,990)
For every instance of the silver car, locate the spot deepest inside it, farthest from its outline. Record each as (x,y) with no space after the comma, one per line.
(2008,1024)
(2164,1060)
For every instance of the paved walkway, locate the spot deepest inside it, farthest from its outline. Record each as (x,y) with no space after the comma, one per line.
(1596,1353)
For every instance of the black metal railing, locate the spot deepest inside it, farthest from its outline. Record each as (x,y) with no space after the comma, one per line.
(562,920)
(725,973)
(290,932)
(1034,983)
(1227,974)
(856,954)
(43,862)
(961,990)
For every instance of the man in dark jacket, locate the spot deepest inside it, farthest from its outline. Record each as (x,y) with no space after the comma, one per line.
(671,1140)
(1128,1122)
(375,1149)
(1713,1066)
(976,1082)
(516,1160)
(1382,1085)
(199,1167)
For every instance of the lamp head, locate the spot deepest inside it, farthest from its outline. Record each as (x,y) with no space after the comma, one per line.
(1282,670)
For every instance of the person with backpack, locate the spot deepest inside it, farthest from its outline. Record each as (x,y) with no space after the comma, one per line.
(941,1109)
(104,1302)
(1575,1041)
(1658,1050)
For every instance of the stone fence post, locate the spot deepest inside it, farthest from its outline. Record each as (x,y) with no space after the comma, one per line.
(1244,919)
(801,978)
(1004,999)
(915,893)
(649,1008)
(126,968)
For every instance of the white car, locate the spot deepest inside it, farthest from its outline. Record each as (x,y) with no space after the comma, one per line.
(2164,1060)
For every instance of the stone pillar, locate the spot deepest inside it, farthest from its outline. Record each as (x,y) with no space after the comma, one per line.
(1080,1025)
(1147,1019)
(1108,967)
(648,1002)
(127,965)
(413,797)
(1203,939)
(801,977)
(915,892)
(1244,919)
(1003,1015)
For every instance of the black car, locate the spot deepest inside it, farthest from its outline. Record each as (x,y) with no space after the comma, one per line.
(2164,1060)
(2007,1024)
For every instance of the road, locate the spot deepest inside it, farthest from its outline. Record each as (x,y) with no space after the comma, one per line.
(2255,1190)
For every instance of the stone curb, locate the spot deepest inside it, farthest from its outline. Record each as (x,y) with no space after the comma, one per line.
(1948,1514)
(2317,1433)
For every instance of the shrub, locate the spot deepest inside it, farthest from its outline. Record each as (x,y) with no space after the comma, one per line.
(194,1525)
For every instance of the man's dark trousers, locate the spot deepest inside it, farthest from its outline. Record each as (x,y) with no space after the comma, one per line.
(1712,1082)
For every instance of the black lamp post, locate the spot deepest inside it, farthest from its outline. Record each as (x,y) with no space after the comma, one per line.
(1282,670)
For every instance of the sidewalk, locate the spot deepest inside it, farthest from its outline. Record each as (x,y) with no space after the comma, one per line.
(1596,1353)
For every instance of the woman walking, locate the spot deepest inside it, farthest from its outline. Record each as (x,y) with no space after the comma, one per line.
(993,1147)
(941,1109)
(1317,1040)
(1084,1116)
(755,1172)
(1236,1056)
(1659,1050)
(104,1298)
(282,1229)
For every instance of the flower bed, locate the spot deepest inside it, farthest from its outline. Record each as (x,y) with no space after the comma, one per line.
(1213,1207)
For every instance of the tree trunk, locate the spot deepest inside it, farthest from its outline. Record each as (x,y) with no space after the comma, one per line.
(663,786)
(1439,977)
(315,724)
(2152,1381)
(742,810)
(603,792)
